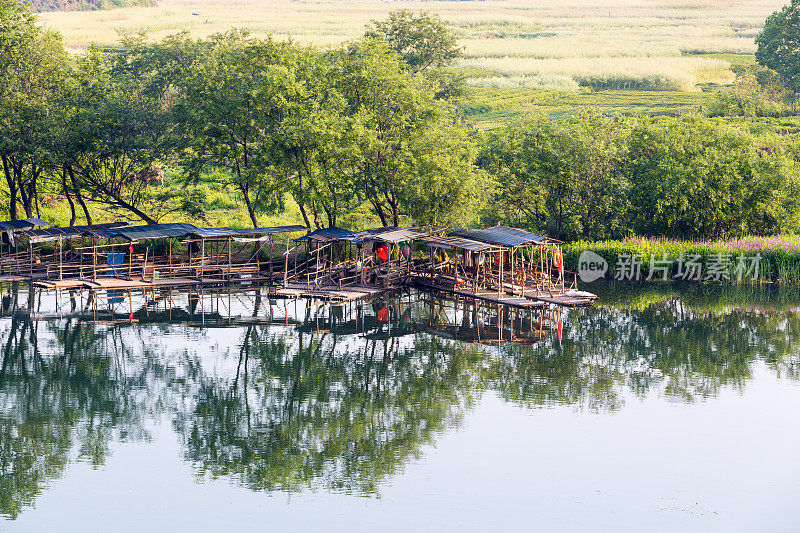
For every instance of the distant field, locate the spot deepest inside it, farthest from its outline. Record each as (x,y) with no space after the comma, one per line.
(590,40)
(629,57)
(489,107)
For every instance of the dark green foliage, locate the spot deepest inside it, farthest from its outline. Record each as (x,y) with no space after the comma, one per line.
(692,178)
(595,177)
(561,177)
(779,44)
(425,45)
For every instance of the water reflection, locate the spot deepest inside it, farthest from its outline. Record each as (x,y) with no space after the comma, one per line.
(294,395)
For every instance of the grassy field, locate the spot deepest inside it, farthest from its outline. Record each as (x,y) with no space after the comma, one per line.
(593,42)
(493,107)
(552,57)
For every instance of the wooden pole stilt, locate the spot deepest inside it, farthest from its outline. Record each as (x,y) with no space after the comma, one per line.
(286,263)
(60,259)
(202,257)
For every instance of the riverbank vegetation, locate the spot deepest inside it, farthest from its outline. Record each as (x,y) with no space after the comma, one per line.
(232,129)
(763,259)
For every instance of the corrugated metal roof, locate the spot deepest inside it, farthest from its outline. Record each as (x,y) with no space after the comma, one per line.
(325,235)
(22,224)
(150,231)
(205,233)
(53,234)
(502,236)
(388,234)
(292,228)
(222,232)
(447,242)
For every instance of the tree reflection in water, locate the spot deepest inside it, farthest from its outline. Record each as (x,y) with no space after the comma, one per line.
(341,398)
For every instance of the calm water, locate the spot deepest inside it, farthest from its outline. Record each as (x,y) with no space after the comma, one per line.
(665,408)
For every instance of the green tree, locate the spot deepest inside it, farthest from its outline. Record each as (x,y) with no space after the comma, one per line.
(404,140)
(32,87)
(779,43)
(120,125)
(564,177)
(425,44)
(237,97)
(318,148)
(697,178)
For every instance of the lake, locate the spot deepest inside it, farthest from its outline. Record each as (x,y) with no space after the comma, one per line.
(665,407)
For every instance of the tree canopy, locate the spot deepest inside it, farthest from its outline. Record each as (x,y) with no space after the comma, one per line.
(779,43)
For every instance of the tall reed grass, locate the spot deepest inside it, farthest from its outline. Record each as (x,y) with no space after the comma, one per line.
(779,256)
(625,44)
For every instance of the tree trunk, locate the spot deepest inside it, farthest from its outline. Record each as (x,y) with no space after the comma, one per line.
(250,210)
(79,196)
(379,211)
(12,190)
(24,194)
(305,215)
(34,193)
(73,215)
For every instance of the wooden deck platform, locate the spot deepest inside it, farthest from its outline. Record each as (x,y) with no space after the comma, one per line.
(572,298)
(332,293)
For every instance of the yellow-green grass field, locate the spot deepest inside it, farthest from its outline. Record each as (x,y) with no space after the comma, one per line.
(553,56)
(587,40)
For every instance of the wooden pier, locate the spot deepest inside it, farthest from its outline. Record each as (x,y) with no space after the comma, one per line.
(500,265)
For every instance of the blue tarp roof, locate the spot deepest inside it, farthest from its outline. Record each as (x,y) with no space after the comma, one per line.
(149,231)
(22,224)
(389,234)
(180,230)
(501,235)
(448,242)
(206,233)
(325,235)
(53,234)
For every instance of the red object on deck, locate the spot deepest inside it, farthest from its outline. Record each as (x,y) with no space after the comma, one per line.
(383,314)
(383,252)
